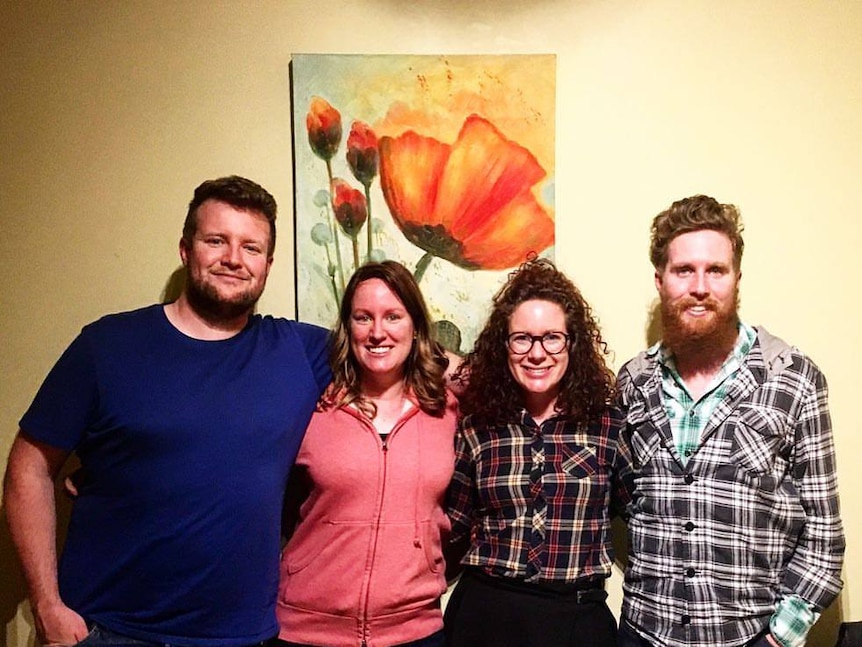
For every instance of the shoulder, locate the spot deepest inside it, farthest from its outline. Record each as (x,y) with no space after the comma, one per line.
(133,322)
(311,336)
(641,364)
(781,358)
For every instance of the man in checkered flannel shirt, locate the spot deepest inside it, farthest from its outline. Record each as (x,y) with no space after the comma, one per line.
(735,536)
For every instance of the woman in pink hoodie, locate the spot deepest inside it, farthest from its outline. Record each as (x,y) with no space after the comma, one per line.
(364,563)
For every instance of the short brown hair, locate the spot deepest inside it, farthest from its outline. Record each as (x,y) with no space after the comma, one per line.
(238,192)
(694,214)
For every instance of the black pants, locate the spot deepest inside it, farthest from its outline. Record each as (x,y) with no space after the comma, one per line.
(486,611)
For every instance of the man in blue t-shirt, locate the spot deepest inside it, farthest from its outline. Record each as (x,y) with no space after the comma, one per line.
(187,418)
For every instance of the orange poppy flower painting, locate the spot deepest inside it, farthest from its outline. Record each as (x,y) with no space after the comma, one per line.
(443,163)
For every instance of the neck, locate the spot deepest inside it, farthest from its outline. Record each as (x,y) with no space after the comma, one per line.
(378,390)
(541,406)
(197,324)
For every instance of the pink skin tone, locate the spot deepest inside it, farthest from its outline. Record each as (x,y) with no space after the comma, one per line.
(537,372)
(381,337)
(229,253)
(699,268)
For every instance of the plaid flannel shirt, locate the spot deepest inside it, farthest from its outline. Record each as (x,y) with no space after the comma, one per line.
(503,472)
(751,519)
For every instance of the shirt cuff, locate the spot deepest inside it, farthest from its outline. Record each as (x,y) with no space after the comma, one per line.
(791,621)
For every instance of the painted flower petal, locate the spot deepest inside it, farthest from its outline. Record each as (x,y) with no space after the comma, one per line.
(323,123)
(484,173)
(519,228)
(349,207)
(410,170)
(471,203)
(362,155)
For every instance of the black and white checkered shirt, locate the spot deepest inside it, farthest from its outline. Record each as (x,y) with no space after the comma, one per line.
(752,516)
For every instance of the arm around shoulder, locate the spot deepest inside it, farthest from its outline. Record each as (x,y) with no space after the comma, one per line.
(28,498)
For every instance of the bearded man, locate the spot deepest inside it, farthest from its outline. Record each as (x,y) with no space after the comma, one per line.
(734,530)
(186,418)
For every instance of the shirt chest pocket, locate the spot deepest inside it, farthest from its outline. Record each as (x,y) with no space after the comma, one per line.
(579,463)
(760,442)
(644,439)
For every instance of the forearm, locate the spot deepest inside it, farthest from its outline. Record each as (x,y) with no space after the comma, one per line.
(30,512)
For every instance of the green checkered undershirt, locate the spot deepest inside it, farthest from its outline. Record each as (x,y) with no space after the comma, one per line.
(687,416)
(793,616)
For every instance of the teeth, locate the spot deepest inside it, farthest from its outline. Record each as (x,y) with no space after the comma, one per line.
(377,350)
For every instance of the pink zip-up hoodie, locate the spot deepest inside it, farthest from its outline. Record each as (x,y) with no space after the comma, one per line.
(365,563)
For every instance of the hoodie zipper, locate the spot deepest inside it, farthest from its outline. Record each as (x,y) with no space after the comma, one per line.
(379,516)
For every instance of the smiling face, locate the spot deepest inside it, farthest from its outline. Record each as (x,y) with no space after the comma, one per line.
(227,259)
(381,333)
(698,287)
(537,372)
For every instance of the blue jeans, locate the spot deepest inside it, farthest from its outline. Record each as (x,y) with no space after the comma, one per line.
(101,637)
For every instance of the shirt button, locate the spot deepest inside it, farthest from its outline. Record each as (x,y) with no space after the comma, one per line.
(692,413)
(689,526)
(686,620)
(689,572)
(689,479)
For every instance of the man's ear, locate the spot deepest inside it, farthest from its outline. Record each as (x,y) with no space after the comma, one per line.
(184,252)
(658,280)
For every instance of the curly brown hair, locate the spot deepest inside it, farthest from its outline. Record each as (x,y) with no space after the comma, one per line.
(694,214)
(426,364)
(587,388)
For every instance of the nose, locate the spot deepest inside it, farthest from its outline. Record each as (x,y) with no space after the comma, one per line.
(377,330)
(537,351)
(231,256)
(699,285)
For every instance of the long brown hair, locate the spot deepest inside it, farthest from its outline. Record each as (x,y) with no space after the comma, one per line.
(425,365)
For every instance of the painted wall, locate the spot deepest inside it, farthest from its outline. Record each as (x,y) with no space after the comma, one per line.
(111,112)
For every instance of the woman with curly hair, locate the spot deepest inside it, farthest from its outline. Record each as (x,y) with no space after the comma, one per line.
(537,471)
(364,561)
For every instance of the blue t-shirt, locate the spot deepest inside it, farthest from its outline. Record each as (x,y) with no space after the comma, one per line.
(185,446)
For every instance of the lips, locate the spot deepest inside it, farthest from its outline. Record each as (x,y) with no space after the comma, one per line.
(378,350)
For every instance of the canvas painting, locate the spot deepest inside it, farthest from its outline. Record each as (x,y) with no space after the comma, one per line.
(443,163)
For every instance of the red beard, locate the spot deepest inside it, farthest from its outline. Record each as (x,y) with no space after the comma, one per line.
(710,337)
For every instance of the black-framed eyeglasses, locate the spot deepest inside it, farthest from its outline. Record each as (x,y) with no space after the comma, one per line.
(554,342)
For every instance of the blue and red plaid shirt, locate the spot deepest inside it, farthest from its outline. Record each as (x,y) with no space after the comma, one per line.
(535,500)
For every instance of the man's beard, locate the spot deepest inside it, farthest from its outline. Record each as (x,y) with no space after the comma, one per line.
(711,337)
(204,297)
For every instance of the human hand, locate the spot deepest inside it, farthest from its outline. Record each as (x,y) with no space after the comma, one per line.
(58,625)
(772,641)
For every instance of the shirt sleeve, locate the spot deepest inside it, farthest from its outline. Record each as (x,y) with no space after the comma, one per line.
(460,497)
(792,620)
(66,402)
(814,571)
(623,474)
(316,342)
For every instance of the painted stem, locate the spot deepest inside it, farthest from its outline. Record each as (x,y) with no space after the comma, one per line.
(334,227)
(368,222)
(422,265)
(355,240)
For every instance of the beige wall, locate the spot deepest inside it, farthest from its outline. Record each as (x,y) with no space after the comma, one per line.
(111,112)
